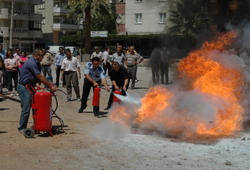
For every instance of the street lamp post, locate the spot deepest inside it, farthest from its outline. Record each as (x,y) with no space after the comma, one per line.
(11,24)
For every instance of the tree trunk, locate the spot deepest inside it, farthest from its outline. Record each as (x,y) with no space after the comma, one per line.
(87,28)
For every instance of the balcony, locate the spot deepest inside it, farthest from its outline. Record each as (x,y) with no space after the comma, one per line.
(4,13)
(25,1)
(66,27)
(35,17)
(5,31)
(59,11)
(22,33)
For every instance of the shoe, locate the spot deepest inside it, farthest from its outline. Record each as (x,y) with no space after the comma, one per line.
(68,100)
(21,131)
(96,114)
(78,99)
(107,108)
(80,110)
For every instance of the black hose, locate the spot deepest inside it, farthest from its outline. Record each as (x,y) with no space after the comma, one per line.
(54,111)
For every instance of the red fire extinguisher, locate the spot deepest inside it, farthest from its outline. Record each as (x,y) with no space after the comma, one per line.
(115,99)
(42,112)
(96,100)
(96,96)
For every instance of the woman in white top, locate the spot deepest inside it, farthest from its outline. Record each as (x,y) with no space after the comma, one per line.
(11,65)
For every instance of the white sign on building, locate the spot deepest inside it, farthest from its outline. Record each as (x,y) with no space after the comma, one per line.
(99,33)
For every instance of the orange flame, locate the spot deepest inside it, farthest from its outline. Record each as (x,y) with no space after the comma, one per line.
(205,75)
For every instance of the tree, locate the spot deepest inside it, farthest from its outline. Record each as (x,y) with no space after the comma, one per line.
(88,9)
(189,18)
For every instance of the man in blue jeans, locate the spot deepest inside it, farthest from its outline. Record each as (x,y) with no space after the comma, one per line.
(30,74)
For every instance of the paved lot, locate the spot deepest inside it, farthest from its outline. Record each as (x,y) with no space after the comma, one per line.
(78,147)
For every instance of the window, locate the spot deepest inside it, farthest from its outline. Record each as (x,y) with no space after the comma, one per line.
(42,6)
(138,18)
(162,17)
(43,21)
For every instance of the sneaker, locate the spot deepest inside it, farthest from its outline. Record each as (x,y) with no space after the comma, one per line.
(21,131)
(107,108)
(68,100)
(80,110)
(78,99)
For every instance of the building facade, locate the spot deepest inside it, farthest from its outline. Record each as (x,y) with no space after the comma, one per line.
(143,16)
(55,22)
(23,26)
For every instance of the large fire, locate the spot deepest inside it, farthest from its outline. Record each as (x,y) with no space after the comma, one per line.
(206,102)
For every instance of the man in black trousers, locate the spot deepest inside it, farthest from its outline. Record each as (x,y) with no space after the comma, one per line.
(119,78)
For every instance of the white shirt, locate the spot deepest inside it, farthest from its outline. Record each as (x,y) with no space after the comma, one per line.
(99,55)
(118,58)
(105,56)
(70,64)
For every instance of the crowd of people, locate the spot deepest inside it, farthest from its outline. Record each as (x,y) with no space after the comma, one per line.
(17,70)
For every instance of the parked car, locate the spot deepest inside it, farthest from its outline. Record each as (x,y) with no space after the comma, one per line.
(54,49)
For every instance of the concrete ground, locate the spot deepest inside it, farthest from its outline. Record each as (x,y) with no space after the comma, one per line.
(78,148)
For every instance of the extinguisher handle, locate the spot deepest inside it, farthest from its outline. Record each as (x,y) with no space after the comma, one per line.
(30,88)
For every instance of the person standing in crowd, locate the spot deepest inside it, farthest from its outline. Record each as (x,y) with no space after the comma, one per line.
(30,74)
(17,54)
(106,61)
(118,56)
(1,74)
(3,78)
(164,64)
(58,62)
(11,65)
(23,58)
(132,59)
(75,52)
(119,79)
(94,77)
(46,64)
(154,62)
(97,53)
(70,67)
(2,52)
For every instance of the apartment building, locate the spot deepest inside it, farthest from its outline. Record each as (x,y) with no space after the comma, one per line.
(143,16)
(26,25)
(55,22)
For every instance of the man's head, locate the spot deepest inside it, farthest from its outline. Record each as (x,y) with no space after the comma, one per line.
(68,53)
(61,50)
(119,49)
(97,49)
(131,49)
(95,62)
(18,50)
(116,66)
(38,54)
(1,47)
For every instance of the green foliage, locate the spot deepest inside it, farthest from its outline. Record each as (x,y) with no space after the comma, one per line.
(189,18)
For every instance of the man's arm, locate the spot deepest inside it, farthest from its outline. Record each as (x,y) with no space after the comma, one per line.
(91,80)
(104,82)
(125,84)
(114,84)
(46,82)
(79,72)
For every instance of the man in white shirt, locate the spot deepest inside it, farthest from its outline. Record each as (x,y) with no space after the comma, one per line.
(118,57)
(106,60)
(70,67)
(97,53)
